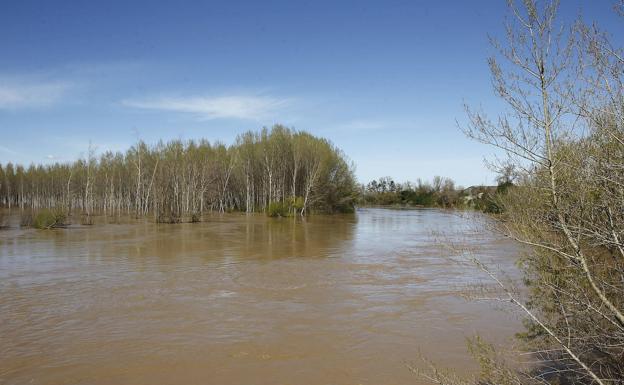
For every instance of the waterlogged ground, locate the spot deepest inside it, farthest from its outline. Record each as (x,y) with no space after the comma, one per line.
(244,300)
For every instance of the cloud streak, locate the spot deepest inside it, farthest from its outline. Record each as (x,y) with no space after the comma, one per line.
(220,107)
(18,95)
(7,150)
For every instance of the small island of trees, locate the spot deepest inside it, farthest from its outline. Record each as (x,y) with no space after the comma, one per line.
(279,171)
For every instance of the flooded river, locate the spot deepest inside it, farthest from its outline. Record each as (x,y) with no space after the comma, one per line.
(243,300)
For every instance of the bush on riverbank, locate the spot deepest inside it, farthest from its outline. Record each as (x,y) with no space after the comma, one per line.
(563,133)
(442,192)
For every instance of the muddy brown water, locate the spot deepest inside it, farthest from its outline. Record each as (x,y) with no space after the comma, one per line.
(243,299)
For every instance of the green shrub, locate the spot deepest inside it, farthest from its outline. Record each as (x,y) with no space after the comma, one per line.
(47,219)
(289,208)
(345,209)
(296,203)
(502,188)
(278,209)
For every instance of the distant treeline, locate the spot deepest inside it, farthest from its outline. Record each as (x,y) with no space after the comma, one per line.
(441,192)
(291,172)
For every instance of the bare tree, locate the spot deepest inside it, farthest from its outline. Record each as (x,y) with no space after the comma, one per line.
(562,134)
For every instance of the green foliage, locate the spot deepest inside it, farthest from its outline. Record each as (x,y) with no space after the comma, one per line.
(278,209)
(488,203)
(346,207)
(296,203)
(440,193)
(178,179)
(493,203)
(385,191)
(47,219)
(503,187)
(419,198)
(292,206)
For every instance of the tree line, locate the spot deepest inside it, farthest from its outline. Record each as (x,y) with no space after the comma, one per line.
(440,192)
(279,167)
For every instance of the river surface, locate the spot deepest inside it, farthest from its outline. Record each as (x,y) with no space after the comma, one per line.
(244,300)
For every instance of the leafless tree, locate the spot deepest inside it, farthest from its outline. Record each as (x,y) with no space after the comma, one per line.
(563,136)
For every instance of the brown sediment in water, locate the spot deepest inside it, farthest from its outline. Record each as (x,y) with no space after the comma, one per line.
(243,299)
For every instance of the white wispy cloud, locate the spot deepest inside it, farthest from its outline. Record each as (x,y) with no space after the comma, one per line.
(248,107)
(15,94)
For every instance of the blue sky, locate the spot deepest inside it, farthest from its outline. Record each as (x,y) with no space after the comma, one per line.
(384,80)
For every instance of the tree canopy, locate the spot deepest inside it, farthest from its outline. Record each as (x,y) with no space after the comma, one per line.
(186,178)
